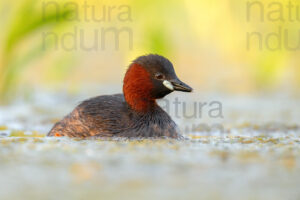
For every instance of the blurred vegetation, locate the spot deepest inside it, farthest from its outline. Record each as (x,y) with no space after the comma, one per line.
(206,40)
(21,22)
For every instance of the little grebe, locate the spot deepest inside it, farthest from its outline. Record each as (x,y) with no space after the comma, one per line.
(134,113)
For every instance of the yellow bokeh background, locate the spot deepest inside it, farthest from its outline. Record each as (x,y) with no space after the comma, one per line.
(206,41)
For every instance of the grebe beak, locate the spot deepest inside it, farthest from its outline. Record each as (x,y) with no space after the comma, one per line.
(178,85)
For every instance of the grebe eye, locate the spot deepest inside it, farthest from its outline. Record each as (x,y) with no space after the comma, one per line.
(159,76)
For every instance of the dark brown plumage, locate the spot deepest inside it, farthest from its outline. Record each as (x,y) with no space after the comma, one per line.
(134,114)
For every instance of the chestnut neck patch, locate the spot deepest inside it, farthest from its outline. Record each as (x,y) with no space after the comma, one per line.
(137,87)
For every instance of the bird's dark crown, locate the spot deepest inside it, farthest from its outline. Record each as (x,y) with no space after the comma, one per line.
(154,63)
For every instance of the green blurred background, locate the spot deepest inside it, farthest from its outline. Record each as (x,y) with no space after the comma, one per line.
(207,41)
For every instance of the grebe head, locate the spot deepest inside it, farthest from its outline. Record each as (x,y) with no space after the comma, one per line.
(148,78)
